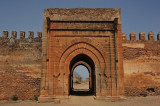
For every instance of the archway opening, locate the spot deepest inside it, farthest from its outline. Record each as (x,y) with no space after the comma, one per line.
(81,78)
(87,63)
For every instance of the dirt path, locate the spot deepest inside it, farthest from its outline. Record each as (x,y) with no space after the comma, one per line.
(89,101)
(81,86)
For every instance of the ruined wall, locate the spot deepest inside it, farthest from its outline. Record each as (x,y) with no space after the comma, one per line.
(141,64)
(20,65)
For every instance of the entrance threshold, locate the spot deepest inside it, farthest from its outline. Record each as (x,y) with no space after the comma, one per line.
(81,92)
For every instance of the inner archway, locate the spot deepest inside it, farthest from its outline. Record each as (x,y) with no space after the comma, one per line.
(86,62)
(81,78)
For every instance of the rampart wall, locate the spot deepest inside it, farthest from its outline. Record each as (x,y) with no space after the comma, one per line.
(20,65)
(141,64)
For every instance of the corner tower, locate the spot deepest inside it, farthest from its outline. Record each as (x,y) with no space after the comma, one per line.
(91,37)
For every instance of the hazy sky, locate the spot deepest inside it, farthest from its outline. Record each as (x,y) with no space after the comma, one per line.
(137,15)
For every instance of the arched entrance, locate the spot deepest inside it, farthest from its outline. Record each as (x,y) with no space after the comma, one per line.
(82,59)
(76,54)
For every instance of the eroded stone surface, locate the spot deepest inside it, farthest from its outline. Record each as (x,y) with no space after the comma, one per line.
(20,68)
(141,66)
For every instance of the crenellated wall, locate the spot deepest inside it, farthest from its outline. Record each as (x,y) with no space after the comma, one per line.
(22,38)
(21,59)
(20,65)
(141,64)
(132,36)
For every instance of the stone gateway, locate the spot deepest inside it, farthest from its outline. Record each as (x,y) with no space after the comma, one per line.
(91,37)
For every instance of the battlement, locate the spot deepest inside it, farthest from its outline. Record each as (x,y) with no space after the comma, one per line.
(22,34)
(141,37)
(151,43)
(13,40)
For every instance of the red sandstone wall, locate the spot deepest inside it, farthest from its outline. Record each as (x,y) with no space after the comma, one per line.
(141,66)
(20,66)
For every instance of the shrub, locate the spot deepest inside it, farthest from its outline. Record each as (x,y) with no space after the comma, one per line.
(144,95)
(35,98)
(15,98)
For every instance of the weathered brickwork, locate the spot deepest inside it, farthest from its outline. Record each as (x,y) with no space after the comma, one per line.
(141,64)
(20,65)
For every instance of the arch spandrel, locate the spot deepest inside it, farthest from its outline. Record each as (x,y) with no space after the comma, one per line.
(77,52)
(84,48)
(83,45)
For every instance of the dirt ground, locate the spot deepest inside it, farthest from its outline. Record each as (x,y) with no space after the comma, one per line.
(81,86)
(89,101)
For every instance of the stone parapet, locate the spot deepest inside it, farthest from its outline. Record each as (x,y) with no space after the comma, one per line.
(132,37)
(13,40)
